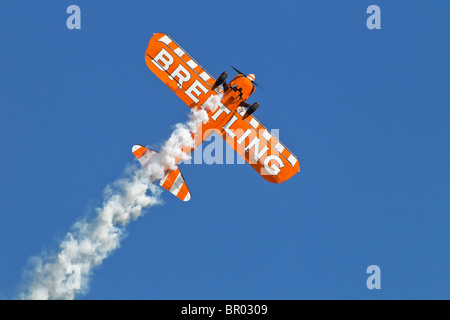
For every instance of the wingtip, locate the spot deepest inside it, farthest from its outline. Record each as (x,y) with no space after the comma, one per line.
(135,147)
(188,197)
(138,150)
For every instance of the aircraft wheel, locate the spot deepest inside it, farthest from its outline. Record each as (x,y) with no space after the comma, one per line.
(220,80)
(252,108)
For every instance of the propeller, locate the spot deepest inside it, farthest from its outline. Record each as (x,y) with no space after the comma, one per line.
(240,72)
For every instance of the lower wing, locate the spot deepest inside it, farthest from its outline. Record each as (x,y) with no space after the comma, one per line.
(263,151)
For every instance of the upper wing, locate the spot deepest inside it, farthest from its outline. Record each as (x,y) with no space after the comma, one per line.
(263,151)
(143,154)
(182,74)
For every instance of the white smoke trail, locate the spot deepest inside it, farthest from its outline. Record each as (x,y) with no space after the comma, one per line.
(66,274)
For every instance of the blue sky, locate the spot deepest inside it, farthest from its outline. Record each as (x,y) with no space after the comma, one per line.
(365,111)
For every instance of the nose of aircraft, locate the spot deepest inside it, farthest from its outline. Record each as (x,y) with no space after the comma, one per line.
(251,77)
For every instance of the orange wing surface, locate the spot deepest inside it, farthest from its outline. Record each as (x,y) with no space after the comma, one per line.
(251,140)
(174,183)
(182,74)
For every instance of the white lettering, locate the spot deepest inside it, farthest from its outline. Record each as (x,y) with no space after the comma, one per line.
(273,170)
(163,60)
(228,125)
(374,21)
(215,148)
(181,78)
(258,154)
(193,89)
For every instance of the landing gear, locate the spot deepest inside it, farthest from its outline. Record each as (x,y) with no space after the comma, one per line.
(252,108)
(220,80)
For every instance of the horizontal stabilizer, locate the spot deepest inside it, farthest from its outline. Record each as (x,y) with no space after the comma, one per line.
(173,181)
(175,184)
(143,154)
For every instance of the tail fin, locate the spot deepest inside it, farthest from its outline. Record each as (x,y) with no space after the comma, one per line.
(173,181)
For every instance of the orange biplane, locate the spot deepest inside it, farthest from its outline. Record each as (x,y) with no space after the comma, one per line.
(232,119)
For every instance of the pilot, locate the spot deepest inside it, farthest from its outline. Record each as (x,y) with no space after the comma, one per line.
(242,84)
